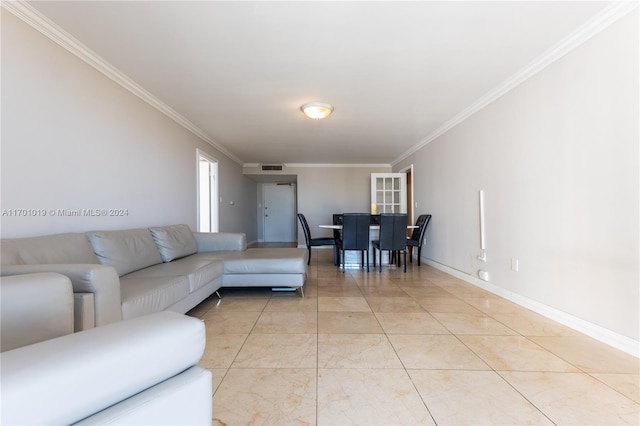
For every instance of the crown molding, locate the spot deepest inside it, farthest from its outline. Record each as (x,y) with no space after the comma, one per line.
(593,26)
(35,19)
(311,165)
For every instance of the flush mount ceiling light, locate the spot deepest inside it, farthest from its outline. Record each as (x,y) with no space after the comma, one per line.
(316,110)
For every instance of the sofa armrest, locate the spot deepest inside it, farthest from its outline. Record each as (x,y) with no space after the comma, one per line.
(34,308)
(64,380)
(102,281)
(220,241)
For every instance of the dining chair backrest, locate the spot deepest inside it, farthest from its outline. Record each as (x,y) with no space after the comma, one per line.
(421,223)
(305,228)
(355,231)
(337,220)
(393,231)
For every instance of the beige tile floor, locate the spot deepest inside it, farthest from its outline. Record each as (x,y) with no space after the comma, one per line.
(405,349)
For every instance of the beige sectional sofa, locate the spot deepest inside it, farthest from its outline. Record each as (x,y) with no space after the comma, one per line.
(139,371)
(124,274)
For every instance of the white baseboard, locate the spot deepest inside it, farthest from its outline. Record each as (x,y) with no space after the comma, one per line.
(611,338)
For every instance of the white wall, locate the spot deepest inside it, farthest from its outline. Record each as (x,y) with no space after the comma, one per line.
(74,139)
(558,159)
(324,190)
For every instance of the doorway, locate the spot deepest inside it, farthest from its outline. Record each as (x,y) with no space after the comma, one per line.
(279,212)
(410,206)
(207,193)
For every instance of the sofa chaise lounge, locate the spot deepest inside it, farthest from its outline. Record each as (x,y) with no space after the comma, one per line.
(125,274)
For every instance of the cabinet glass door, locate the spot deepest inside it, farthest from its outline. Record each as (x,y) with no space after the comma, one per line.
(388,193)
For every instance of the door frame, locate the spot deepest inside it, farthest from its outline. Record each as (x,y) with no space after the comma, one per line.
(410,193)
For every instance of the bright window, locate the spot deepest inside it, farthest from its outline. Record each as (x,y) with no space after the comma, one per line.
(207,193)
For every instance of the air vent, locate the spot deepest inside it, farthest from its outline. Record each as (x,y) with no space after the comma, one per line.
(272,167)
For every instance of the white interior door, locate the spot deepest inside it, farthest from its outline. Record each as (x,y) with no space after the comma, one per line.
(279,212)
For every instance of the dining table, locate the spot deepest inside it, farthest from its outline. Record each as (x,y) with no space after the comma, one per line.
(339,227)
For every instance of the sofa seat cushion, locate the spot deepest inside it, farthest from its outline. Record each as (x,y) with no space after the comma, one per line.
(145,295)
(263,280)
(266,261)
(198,271)
(127,250)
(215,256)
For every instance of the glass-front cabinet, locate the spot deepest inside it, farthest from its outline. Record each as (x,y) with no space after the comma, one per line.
(388,193)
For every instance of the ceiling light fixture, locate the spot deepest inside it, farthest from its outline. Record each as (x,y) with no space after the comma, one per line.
(316,110)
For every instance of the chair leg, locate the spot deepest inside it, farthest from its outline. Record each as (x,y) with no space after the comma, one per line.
(374,256)
(419,250)
(309,261)
(335,255)
(405,260)
(362,258)
(343,260)
(410,254)
(380,261)
(367,260)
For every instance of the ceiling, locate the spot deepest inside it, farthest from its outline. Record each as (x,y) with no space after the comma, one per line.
(395,72)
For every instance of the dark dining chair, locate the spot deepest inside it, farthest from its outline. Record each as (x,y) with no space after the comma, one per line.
(355,236)
(393,237)
(316,242)
(337,220)
(417,236)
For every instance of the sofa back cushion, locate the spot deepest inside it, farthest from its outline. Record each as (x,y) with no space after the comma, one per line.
(127,250)
(174,241)
(49,249)
(35,307)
